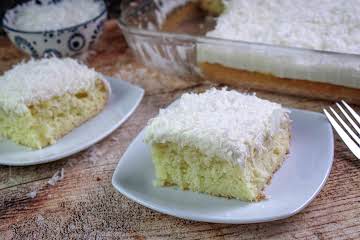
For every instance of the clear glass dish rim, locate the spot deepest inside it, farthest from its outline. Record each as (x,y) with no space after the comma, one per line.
(220,41)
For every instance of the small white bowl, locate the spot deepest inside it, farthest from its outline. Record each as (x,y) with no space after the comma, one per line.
(59,42)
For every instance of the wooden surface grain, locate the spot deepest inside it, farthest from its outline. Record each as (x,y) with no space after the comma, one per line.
(84,205)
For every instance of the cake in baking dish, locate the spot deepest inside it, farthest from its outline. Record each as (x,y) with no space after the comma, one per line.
(42,100)
(219,142)
(315,25)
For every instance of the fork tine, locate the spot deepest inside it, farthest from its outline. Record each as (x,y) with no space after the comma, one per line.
(347,140)
(353,113)
(348,118)
(348,129)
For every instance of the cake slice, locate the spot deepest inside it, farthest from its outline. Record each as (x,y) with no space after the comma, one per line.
(42,100)
(219,142)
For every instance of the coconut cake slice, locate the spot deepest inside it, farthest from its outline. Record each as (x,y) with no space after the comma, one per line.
(219,142)
(42,100)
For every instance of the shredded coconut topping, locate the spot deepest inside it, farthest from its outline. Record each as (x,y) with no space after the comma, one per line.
(317,24)
(221,123)
(39,80)
(66,13)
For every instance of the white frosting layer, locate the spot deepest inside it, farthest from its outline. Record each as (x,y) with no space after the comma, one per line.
(39,80)
(221,123)
(319,24)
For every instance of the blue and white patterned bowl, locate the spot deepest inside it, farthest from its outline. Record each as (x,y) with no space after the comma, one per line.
(59,42)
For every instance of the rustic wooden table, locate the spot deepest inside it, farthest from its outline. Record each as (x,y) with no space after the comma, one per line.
(84,205)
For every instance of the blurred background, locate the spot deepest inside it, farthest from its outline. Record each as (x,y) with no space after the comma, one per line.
(113,8)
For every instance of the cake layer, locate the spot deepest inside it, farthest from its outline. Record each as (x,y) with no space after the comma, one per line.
(268,82)
(47,121)
(336,69)
(190,169)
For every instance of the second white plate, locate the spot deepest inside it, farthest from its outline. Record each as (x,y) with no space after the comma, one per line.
(292,188)
(123,100)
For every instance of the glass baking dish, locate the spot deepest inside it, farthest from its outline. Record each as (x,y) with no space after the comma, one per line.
(170,35)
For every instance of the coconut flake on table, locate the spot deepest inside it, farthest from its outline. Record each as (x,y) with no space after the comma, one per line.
(39,220)
(32,194)
(35,17)
(59,175)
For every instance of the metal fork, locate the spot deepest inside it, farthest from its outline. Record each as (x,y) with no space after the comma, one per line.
(350,138)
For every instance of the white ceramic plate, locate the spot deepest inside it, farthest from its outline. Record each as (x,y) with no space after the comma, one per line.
(123,101)
(293,187)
